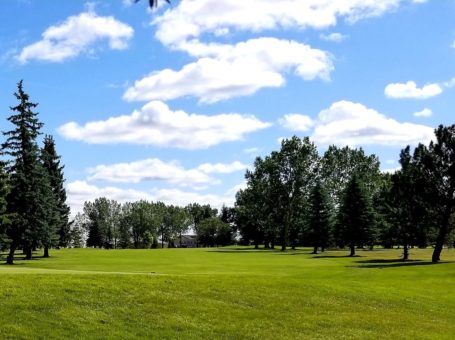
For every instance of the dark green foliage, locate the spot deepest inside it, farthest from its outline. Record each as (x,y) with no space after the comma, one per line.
(213,232)
(51,162)
(339,165)
(356,218)
(436,166)
(199,213)
(4,216)
(29,199)
(103,218)
(408,209)
(319,218)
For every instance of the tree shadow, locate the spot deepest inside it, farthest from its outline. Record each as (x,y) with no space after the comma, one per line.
(394,263)
(240,250)
(316,256)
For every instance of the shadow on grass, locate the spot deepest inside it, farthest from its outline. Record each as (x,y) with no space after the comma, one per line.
(316,256)
(394,263)
(240,250)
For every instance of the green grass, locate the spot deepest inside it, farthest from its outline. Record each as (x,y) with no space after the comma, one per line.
(228,294)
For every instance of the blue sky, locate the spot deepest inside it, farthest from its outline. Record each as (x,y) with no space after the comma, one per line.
(173,104)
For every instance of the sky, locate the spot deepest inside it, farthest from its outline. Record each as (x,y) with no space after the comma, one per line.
(174,104)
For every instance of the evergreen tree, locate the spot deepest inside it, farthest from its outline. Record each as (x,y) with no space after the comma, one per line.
(27,201)
(436,165)
(319,218)
(356,216)
(4,216)
(51,162)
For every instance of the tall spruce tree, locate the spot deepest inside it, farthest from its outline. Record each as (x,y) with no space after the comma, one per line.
(59,210)
(356,216)
(319,218)
(26,202)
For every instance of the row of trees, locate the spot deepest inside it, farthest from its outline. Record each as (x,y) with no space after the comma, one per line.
(33,210)
(294,197)
(108,224)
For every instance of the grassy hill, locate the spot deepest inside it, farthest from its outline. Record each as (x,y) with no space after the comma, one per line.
(228,293)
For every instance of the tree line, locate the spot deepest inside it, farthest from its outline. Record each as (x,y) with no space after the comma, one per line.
(105,223)
(296,197)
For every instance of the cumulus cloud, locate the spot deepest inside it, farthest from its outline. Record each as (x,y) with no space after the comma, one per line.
(154,169)
(410,90)
(238,70)
(424,113)
(193,18)
(348,123)
(156,124)
(76,35)
(296,122)
(334,37)
(80,191)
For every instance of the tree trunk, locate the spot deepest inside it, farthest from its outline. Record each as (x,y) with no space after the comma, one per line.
(352,247)
(272,245)
(441,237)
(10,258)
(46,251)
(315,250)
(322,249)
(405,252)
(28,253)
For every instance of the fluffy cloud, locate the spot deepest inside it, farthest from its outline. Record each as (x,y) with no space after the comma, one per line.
(193,18)
(348,123)
(80,191)
(228,71)
(296,122)
(155,124)
(333,37)
(221,168)
(410,90)
(154,169)
(76,35)
(424,113)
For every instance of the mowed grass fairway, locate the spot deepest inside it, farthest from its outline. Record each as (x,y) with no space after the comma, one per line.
(228,293)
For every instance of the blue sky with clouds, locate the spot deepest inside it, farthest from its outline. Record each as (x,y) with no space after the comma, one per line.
(173,104)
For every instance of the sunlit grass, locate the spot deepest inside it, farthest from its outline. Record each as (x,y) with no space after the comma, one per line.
(233,293)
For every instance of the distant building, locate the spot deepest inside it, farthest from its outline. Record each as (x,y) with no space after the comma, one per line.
(187,241)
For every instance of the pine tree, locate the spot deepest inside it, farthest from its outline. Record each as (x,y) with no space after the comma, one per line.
(356,216)
(319,218)
(51,162)
(25,202)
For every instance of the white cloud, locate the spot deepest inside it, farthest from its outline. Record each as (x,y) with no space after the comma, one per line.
(296,122)
(334,37)
(76,35)
(424,113)
(348,123)
(191,19)
(410,90)
(155,124)
(221,168)
(227,71)
(154,169)
(80,191)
